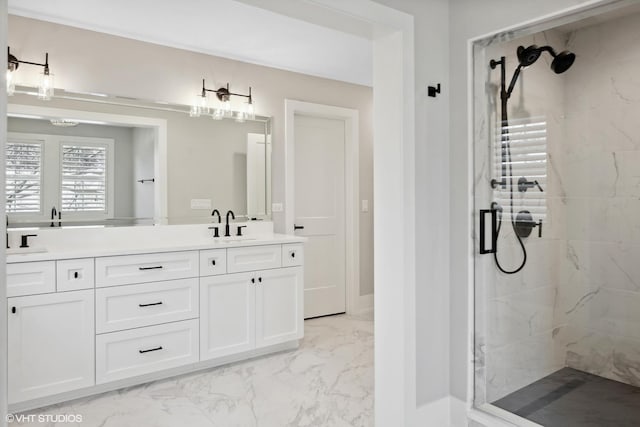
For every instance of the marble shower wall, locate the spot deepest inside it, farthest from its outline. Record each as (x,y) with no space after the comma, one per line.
(516,332)
(599,286)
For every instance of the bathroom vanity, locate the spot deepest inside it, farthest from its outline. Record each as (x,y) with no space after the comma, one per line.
(131,305)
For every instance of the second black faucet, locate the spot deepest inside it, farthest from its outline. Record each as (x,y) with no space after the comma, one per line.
(226,227)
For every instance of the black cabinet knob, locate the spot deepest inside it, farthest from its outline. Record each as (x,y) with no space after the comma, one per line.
(260,279)
(213,262)
(293,254)
(253,280)
(13,310)
(75,274)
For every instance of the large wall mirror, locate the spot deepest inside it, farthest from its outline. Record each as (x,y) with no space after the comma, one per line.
(88,159)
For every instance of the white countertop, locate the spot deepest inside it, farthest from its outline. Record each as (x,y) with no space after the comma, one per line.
(132,247)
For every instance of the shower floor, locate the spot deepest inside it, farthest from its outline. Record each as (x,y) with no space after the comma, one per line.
(571,398)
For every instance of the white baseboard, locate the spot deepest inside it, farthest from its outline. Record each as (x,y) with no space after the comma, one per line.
(446,412)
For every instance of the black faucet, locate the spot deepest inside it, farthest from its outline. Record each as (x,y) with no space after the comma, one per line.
(216,212)
(54,212)
(226,227)
(215,228)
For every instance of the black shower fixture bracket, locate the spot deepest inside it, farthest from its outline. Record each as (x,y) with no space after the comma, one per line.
(433,91)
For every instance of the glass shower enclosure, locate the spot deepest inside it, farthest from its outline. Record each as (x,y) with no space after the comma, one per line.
(557,220)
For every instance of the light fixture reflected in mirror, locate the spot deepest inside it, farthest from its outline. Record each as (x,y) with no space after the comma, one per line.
(45,85)
(218,114)
(224,95)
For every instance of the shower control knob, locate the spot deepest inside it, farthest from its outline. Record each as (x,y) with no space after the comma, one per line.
(524,184)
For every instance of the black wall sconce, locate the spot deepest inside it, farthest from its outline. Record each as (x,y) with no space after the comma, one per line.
(432,91)
(224,95)
(45,86)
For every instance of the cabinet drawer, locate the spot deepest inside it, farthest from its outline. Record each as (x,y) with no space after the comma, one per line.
(213,262)
(292,255)
(122,270)
(254,258)
(29,278)
(141,351)
(74,274)
(132,306)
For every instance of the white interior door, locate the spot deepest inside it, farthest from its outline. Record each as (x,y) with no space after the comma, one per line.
(320,209)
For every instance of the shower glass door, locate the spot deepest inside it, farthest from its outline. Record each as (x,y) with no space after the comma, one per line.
(557,221)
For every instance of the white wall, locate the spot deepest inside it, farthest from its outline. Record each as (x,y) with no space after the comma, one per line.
(77,58)
(431,23)
(470,19)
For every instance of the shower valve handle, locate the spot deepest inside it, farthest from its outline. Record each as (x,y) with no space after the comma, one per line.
(524,184)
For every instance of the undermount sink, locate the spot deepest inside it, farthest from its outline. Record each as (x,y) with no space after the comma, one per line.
(29,250)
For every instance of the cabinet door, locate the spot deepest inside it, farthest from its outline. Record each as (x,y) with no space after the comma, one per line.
(279,306)
(51,348)
(227,314)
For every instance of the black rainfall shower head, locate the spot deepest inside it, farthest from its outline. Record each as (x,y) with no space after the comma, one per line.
(563,61)
(528,55)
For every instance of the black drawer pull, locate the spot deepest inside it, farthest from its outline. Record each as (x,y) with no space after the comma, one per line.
(293,254)
(151,349)
(157,267)
(260,279)
(150,304)
(75,274)
(13,310)
(253,280)
(213,262)
(298,227)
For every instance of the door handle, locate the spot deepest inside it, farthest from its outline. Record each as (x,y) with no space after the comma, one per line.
(298,227)
(494,231)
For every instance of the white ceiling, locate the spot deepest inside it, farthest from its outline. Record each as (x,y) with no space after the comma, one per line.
(224,28)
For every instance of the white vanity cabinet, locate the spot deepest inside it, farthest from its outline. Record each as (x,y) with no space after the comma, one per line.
(86,325)
(50,344)
(253,309)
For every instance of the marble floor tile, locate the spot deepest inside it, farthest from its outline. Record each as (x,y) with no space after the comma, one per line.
(327,381)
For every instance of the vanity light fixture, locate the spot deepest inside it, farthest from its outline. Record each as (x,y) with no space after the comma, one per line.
(224,94)
(45,86)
